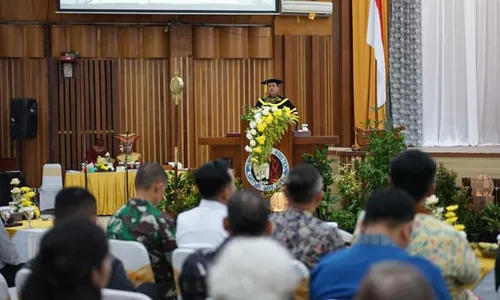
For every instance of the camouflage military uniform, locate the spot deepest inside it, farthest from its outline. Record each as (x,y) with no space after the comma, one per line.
(139,220)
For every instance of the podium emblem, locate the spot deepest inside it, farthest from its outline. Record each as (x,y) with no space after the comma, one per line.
(268,177)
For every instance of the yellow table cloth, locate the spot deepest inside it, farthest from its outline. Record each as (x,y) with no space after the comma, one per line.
(38,223)
(108,188)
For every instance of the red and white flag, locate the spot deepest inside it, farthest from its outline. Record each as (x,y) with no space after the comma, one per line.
(374,39)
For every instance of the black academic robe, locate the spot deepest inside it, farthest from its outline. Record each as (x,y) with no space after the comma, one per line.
(275,100)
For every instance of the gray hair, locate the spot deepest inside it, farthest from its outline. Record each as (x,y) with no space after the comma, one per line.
(394,280)
(252,268)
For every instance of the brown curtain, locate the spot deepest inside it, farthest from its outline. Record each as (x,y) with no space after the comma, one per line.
(364,68)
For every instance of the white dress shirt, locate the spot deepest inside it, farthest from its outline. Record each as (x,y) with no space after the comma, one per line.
(201,227)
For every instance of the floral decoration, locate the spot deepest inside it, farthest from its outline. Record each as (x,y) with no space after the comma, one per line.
(447,214)
(22,197)
(431,203)
(267,126)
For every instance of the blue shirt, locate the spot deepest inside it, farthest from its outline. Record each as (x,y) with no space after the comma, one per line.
(338,275)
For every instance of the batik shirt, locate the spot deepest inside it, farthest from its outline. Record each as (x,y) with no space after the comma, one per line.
(139,220)
(441,244)
(306,236)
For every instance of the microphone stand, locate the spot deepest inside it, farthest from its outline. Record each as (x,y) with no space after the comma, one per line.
(85,158)
(126,169)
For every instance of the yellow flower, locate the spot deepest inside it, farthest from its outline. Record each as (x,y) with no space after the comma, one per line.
(25,189)
(278,113)
(261,139)
(450,214)
(452,208)
(269,119)
(29,195)
(261,127)
(459,227)
(451,220)
(36,212)
(257,150)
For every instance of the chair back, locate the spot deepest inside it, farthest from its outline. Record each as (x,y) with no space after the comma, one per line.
(108,294)
(132,254)
(4,288)
(302,289)
(21,277)
(178,258)
(346,236)
(52,175)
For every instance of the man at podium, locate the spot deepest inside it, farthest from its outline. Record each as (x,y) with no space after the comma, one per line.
(273,96)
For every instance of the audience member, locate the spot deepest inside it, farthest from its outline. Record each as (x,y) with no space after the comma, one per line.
(306,236)
(394,281)
(252,268)
(140,220)
(248,215)
(75,202)
(73,263)
(10,262)
(385,233)
(201,226)
(433,239)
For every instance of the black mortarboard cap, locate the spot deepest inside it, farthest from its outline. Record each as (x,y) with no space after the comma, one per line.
(271,80)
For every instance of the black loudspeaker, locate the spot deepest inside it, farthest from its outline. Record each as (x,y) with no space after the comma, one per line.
(23,119)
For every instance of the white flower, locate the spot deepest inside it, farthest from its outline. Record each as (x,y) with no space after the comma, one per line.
(249,136)
(16,190)
(431,200)
(107,154)
(248,149)
(253,132)
(258,121)
(252,124)
(274,108)
(15,181)
(265,112)
(258,116)
(252,143)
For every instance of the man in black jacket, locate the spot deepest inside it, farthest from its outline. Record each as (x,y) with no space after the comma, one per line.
(79,203)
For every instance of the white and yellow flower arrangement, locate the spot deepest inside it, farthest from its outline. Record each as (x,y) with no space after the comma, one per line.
(22,197)
(267,126)
(447,214)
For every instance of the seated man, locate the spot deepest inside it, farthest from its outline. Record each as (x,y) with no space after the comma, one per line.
(139,220)
(390,281)
(9,258)
(385,233)
(76,202)
(95,151)
(201,227)
(248,215)
(306,236)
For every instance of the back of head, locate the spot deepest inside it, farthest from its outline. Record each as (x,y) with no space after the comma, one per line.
(74,202)
(64,267)
(252,268)
(394,281)
(304,182)
(392,207)
(247,213)
(414,172)
(212,178)
(148,175)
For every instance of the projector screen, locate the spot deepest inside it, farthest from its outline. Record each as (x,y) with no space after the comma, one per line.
(170,6)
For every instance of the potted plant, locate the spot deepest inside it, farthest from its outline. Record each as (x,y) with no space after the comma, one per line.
(371,129)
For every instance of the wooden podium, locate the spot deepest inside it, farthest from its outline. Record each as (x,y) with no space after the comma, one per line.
(293,146)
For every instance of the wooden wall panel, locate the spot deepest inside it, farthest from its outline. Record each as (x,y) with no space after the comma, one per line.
(222,87)
(25,78)
(96,41)
(22,41)
(305,63)
(232,42)
(143,105)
